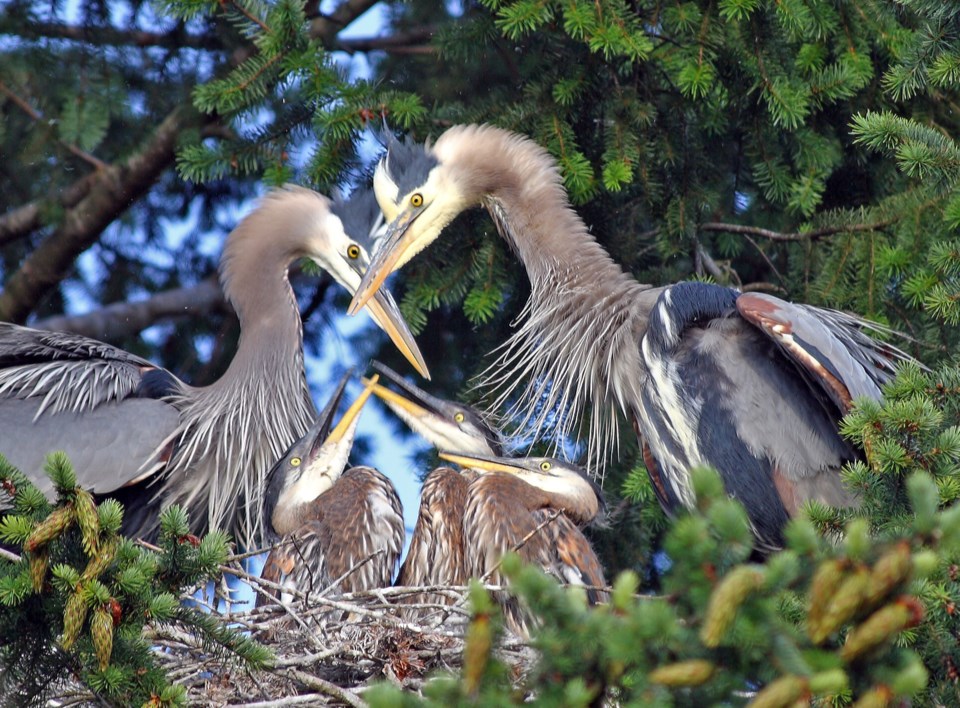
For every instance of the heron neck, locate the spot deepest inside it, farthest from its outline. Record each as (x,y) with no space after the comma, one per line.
(581,325)
(263,393)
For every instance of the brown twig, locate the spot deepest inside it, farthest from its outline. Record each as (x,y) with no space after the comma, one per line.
(38,117)
(813,235)
(318,684)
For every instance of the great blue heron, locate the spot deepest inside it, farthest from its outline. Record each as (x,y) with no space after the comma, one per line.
(533,505)
(336,527)
(436,555)
(468,520)
(745,382)
(137,432)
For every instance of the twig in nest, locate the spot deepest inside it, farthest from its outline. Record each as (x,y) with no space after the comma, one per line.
(318,684)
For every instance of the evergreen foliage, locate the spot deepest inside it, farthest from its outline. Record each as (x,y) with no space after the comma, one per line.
(77,602)
(803,147)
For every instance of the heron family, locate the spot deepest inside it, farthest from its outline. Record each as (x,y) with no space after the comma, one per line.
(747,383)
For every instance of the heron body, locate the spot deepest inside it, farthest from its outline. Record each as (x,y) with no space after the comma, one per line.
(747,383)
(535,507)
(468,520)
(135,431)
(436,552)
(337,529)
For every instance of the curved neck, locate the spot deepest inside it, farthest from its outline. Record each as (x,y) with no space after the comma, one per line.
(583,320)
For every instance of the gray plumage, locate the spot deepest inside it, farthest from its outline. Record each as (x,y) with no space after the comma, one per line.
(124,421)
(710,384)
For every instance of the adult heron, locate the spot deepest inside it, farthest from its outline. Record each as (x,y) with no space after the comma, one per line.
(337,529)
(469,519)
(747,383)
(136,432)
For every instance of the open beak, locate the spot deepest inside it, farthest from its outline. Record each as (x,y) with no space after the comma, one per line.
(350,419)
(416,402)
(395,242)
(384,311)
(480,462)
(321,428)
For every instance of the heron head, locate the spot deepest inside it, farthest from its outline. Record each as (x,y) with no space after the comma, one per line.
(420,191)
(444,424)
(570,487)
(314,463)
(345,235)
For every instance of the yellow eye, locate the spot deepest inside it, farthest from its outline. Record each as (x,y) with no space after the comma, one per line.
(353,251)
(294,461)
(545,466)
(416,200)
(459,417)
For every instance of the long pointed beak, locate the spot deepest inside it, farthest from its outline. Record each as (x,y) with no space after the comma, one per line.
(352,414)
(321,427)
(383,308)
(392,398)
(395,242)
(481,462)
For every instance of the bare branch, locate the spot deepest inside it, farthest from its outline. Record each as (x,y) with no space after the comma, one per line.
(123,319)
(797,235)
(326,27)
(114,189)
(411,42)
(331,689)
(19,222)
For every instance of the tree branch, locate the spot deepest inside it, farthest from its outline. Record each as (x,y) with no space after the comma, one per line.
(112,191)
(36,116)
(412,42)
(326,27)
(122,319)
(814,235)
(19,222)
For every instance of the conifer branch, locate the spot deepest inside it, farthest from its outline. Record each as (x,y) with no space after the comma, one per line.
(113,190)
(813,235)
(35,115)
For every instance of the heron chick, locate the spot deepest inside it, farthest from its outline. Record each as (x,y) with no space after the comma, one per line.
(338,529)
(535,507)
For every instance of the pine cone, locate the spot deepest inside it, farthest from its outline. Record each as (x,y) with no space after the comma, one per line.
(88,520)
(783,692)
(101,630)
(846,601)
(74,613)
(683,673)
(726,600)
(102,558)
(890,571)
(876,697)
(881,626)
(476,652)
(825,582)
(39,561)
(50,528)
